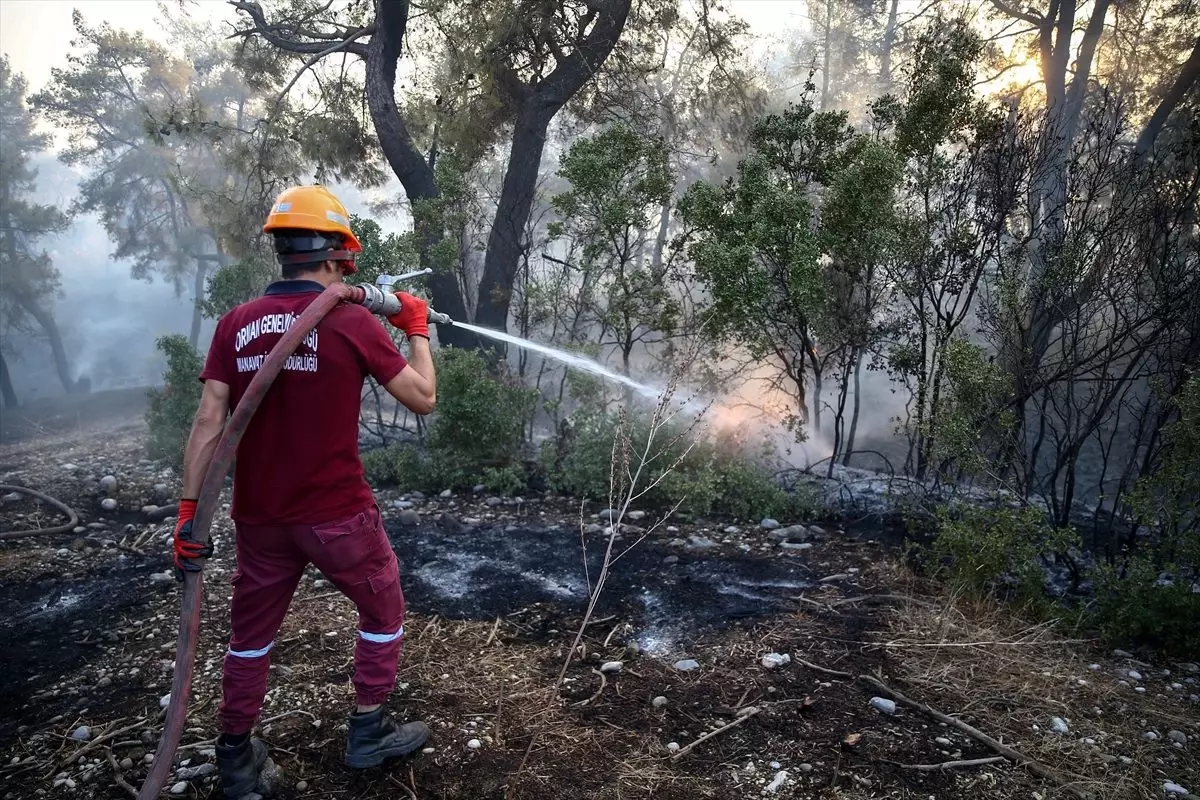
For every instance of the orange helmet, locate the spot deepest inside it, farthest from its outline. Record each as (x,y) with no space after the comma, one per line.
(311,225)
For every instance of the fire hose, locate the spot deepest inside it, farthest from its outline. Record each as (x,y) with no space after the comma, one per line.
(376,301)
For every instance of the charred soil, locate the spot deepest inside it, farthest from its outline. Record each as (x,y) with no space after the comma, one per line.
(495,589)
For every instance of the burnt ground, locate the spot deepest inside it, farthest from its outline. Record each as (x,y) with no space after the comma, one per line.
(496,590)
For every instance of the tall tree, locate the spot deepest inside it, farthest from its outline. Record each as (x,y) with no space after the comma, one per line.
(532,56)
(27,274)
(106,101)
(617,180)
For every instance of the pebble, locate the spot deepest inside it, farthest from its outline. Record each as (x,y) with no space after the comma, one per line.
(446,493)
(1150,736)
(81,734)
(1059,725)
(428,751)
(191,773)
(687,665)
(769,524)
(1134,674)
(669,560)
(108,484)
(127,763)
(700,543)
(659,701)
(731,529)
(408,517)
(108,504)
(301,786)
(179,788)
(636,515)
(165,700)
(1177,736)
(1122,654)
(162,577)
(610,666)
(608,514)
(773,660)
(943,741)
(796,545)
(777,782)
(474,744)
(805,767)
(673,747)
(883,705)
(1174,788)
(492,502)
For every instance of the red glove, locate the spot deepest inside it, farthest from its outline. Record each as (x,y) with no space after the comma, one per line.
(413,316)
(185,548)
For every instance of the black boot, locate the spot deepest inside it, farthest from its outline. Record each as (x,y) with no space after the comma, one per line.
(375,736)
(239,765)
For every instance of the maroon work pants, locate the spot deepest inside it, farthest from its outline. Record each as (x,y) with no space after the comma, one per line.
(355,555)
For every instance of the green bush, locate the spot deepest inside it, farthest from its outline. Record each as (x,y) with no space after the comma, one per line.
(171,410)
(713,477)
(1132,606)
(480,420)
(980,550)
(1136,609)
(402,465)
(476,435)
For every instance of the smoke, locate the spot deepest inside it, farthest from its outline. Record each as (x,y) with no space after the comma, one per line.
(108,320)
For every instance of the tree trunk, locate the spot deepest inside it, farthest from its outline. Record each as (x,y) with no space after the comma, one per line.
(46,320)
(7,392)
(413,172)
(889,41)
(505,245)
(197,311)
(534,106)
(660,241)
(827,57)
(857,408)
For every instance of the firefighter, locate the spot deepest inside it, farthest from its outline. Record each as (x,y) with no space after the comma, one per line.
(299,492)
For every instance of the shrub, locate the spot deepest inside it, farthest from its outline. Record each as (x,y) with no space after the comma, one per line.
(476,435)
(1136,606)
(480,419)
(171,410)
(399,465)
(979,550)
(714,476)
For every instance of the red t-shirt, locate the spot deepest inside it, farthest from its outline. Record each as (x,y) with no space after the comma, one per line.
(298,463)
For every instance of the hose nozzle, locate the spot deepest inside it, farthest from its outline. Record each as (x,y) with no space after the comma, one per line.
(439,318)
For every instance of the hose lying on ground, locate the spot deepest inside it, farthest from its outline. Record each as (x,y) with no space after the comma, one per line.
(214,479)
(66,527)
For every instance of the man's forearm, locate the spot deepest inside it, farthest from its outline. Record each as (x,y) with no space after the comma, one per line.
(201,445)
(420,358)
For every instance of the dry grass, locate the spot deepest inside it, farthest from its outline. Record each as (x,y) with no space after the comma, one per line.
(979,662)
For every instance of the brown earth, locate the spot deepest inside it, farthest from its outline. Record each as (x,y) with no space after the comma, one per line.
(495,594)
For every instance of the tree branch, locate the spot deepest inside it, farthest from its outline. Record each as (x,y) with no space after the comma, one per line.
(572,72)
(319,49)
(1189,73)
(1013,11)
